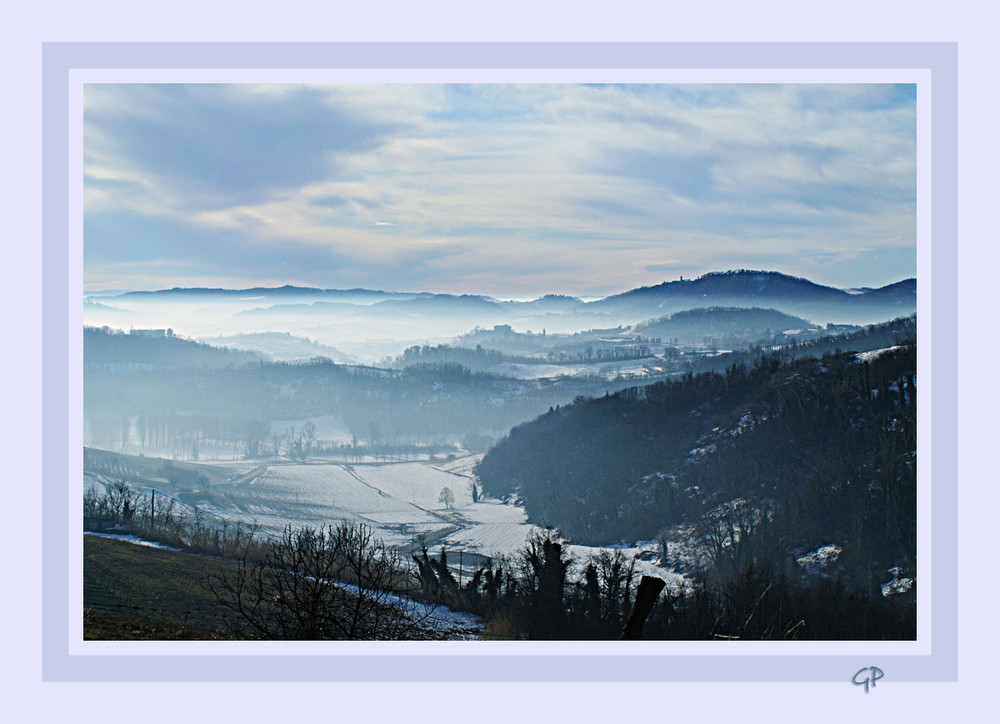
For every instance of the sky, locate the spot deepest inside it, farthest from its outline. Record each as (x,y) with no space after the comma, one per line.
(513,191)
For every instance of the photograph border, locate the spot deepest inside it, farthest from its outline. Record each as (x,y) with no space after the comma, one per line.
(62,661)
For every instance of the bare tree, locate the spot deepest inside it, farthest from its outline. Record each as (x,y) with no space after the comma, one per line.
(616,571)
(446,497)
(120,502)
(733,535)
(308,437)
(92,502)
(332,583)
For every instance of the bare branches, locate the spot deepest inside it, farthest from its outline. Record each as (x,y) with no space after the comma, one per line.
(332,583)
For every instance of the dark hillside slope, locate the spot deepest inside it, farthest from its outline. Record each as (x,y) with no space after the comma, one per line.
(823,449)
(876,336)
(107,349)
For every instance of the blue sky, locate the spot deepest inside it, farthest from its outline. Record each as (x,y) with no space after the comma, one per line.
(507,190)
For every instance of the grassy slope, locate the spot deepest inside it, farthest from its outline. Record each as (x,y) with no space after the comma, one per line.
(138,592)
(133,592)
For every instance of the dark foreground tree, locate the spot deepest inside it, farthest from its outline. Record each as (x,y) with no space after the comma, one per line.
(332,583)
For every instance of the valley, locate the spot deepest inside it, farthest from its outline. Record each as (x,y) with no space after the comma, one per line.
(701,433)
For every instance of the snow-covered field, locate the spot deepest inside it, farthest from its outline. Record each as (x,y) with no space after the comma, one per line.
(609,370)
(402,502)
(491,529)
(460,466)
(318,494)
(538,371)
(418,483)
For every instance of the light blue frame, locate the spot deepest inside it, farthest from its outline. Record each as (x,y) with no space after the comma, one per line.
(59,664)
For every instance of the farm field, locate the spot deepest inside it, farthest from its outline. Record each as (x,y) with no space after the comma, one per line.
(402,502)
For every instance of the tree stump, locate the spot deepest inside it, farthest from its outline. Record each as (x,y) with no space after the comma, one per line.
(645,599)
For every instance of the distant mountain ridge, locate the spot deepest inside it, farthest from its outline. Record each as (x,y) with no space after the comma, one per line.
(284,293)
(751,288)
(753,284)
(745,283)
(742,288)
(742,283)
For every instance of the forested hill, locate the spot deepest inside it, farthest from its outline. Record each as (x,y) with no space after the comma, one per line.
(695,325)
(822,451)
(104,348)
(770,289)
(875,336)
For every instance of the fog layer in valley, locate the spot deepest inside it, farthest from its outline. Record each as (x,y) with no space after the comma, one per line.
(275,380)
(366,326)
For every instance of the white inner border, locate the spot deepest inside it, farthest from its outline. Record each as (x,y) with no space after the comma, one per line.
(77,79)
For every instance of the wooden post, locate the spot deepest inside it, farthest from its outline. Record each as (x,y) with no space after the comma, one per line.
(645,598)
(152,510)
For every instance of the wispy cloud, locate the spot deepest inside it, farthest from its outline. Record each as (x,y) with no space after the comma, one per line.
(576,188)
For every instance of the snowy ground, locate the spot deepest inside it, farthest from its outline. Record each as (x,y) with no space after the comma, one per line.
(317,494)
(609,370)
(132,539)
(874,354)
(403,502)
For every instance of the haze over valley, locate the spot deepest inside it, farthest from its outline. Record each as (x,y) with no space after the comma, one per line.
(500,361)
(368,326)
(261,430)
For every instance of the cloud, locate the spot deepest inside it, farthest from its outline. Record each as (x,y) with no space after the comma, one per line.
(216,145)
(454,186)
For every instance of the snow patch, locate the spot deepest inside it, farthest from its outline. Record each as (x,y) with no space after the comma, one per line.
(129,538)
(897,585)
(820,558)
(862,357)
(700,452)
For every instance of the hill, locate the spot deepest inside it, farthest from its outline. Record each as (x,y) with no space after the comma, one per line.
(748,288)
(142,592)
(151,349)
(287,308)
(730,325)
(741,284)
(265,294)
(148,402)
(770,461)
(280,346)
